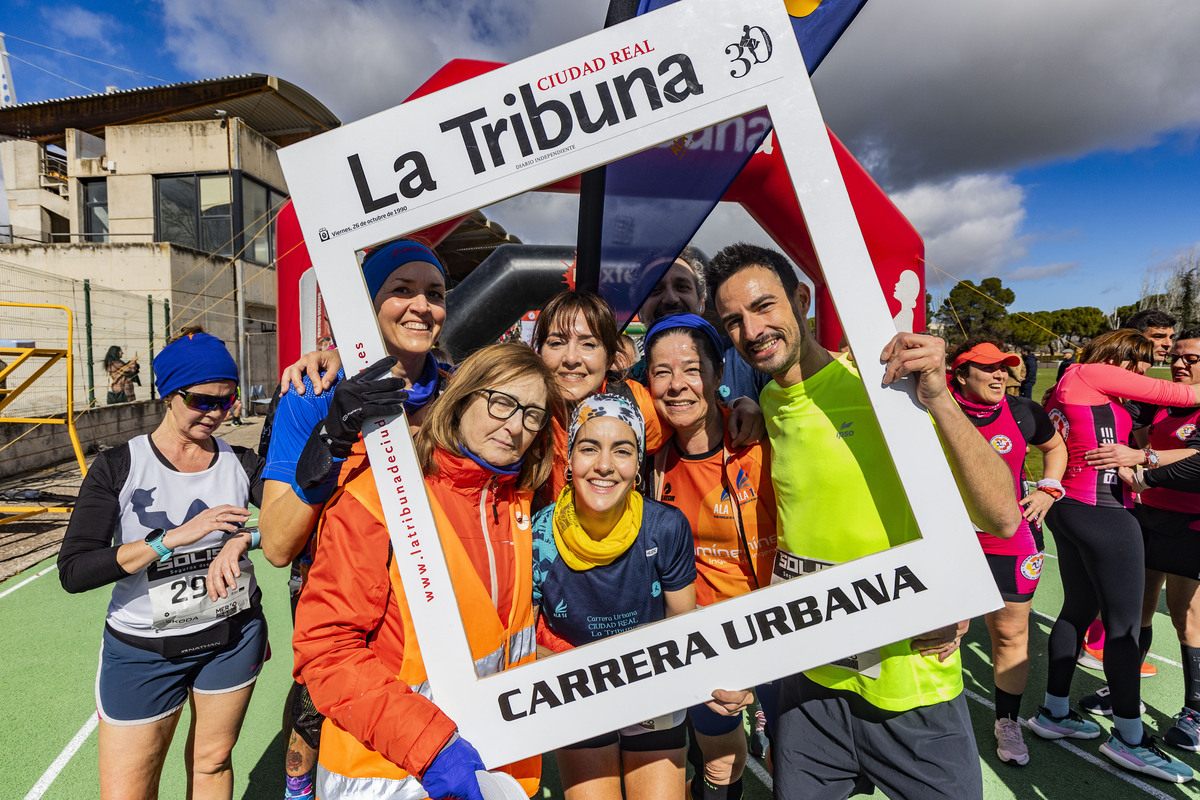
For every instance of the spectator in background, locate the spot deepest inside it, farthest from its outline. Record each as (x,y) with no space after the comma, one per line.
(121,375)
(626,356)
(1031,372)
(1068,360)
(682,290)
(1016,375)
(1157,326)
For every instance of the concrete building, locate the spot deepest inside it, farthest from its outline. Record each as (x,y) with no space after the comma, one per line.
(166,191)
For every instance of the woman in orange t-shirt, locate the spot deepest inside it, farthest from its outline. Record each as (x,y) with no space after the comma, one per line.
(726,494)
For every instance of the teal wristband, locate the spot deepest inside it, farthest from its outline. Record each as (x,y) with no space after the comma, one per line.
(155,540)
(255,539)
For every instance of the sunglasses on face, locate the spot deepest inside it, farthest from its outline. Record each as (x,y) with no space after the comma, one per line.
(503,406)
(1188,359)
(208,402)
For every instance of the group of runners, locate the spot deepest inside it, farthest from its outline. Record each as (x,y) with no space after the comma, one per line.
(567,492)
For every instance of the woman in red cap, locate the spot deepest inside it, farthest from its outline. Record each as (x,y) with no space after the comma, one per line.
(978,373)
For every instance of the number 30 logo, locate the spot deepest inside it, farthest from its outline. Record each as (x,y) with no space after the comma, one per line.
(754,48)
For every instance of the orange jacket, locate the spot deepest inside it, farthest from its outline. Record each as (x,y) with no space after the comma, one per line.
(738,557)
(355,645)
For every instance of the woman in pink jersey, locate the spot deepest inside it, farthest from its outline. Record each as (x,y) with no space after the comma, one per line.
(1100,552)
(1010,424)
(1170,521)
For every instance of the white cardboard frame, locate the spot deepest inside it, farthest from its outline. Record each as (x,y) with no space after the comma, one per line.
(414,174)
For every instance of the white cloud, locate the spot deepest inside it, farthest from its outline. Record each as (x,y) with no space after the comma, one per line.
(925,89)
(970,224)
(538,217)
(941,102)
(1037,272)
(75,22)
(363,57)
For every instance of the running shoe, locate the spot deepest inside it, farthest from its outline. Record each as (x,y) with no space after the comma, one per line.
(1010,745)
(1100,703)
(1185,733)
(1072,726)
(1093,658)
(1146,758)
(1089,658)
(758,737)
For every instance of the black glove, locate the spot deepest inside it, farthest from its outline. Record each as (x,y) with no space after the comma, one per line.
(355,400)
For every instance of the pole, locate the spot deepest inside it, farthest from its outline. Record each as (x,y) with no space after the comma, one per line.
(87,320)
(243,361)
(150,333)
(590,232)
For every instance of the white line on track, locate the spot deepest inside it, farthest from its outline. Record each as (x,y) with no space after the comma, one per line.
(1085,755)
(68,752)
(760,772)
(27,580)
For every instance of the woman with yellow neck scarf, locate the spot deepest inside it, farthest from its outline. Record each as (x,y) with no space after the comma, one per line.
(606,561)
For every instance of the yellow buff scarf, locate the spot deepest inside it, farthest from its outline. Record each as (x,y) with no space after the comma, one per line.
(580,551)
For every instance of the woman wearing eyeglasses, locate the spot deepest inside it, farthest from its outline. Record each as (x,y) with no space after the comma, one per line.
(484,446)
(1101,554)
(151,517)
(1170,521)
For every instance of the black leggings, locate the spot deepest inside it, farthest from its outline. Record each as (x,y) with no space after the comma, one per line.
(1102,563)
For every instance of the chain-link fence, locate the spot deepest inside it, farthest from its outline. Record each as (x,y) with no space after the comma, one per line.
(103,318)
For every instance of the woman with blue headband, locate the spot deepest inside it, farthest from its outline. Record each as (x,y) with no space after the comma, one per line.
(725,493)
(314,430)
(153,516)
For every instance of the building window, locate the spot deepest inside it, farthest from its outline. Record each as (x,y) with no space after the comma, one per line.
(260,205)
(196,211)
(95,210)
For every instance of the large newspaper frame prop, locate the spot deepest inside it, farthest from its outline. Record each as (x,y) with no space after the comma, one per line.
(431,159)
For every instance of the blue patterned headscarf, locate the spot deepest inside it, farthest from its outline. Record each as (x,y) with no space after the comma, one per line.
(609,405)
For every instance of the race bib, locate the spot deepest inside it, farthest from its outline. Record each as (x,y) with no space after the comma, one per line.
(178,590)
(788,566)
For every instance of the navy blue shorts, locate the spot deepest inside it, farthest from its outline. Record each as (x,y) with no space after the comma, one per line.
(709,723)
(135,686)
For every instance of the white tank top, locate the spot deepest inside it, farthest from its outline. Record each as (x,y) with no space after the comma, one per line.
(170,598)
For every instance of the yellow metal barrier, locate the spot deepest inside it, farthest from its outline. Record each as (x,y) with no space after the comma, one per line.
(49,357)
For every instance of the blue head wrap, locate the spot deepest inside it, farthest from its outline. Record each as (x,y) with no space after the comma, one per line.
(192,359)
(672,321)
(383,261)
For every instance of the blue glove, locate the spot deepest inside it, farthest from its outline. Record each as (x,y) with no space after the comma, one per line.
(452,772)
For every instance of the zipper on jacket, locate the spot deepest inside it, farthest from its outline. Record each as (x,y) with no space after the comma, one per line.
(487,541)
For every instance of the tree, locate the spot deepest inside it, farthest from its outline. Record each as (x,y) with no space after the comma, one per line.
(1079,323)
(1032,329)
(1174,290)
(972,310)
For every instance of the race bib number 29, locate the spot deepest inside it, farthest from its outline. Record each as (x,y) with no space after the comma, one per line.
(179,590)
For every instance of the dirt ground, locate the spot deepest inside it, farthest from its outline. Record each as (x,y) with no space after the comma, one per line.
(25,542)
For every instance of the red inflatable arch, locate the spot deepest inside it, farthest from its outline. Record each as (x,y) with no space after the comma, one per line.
(764,190)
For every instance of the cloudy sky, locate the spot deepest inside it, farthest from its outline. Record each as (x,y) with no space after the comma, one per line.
(1053,144)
